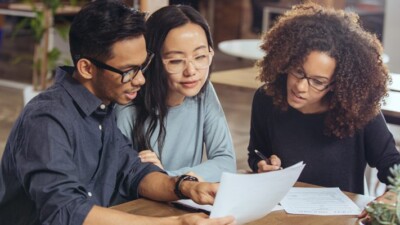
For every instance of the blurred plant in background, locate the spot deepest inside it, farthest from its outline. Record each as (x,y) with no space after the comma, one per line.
(44,59)
(387,211)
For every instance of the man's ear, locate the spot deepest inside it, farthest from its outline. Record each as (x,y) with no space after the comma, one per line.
(85,69)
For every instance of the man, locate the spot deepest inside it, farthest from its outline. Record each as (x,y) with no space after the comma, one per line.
(65,160)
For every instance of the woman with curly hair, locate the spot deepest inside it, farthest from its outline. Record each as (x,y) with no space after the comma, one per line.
(177,117)
(324,82)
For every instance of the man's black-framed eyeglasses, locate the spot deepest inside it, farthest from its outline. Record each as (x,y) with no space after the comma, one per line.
(128,75)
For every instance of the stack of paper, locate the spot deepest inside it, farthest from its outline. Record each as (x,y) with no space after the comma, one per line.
(248,197)
(319,201)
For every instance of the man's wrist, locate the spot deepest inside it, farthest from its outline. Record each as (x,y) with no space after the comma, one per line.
(178,185)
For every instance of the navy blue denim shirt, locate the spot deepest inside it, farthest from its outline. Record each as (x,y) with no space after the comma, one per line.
(64,155)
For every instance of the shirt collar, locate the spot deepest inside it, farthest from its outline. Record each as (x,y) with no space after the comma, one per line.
(84,99)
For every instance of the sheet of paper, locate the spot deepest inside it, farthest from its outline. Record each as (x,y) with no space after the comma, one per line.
(319,201)
(248,197)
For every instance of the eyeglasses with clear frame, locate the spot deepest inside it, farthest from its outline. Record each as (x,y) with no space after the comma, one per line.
(317,83)
(200,61)
(127,75)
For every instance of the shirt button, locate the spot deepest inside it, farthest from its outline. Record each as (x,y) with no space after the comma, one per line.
(89,194)
(102,106)
(100,127)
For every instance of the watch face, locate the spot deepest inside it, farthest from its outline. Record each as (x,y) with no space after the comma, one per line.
(189,178)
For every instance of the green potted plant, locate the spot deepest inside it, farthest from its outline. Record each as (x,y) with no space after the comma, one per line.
(45,59)
(386,211)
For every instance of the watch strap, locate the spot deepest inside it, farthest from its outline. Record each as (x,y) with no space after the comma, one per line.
(182,178)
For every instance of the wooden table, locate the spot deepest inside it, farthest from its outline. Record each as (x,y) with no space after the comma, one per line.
(242,48)
(250,49)
(395,85)
(152,208)
(391,110)
(244,78)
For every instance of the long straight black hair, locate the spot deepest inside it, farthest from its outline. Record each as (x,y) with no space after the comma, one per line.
(152,99)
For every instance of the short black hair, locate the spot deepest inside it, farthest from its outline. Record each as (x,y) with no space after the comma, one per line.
(99,25)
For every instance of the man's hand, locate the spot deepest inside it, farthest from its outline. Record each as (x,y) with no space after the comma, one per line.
(150,157)
(202,219)
(200,192)
(264,167)
(160,187)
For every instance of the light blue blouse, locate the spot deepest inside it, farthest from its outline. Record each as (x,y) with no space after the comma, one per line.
(196,125)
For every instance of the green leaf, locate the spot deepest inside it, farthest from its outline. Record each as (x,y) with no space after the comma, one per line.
(53,5)
(37,25)
(20,58)
(21,24)
(63,31)
(67,62)
(52,58)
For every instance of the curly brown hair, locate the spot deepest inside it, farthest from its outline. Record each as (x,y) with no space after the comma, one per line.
(360,76)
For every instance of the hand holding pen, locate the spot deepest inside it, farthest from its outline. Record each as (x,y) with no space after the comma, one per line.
(268,164)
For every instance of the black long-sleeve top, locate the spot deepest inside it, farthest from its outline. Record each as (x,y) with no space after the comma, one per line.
(330,161)
(64,155)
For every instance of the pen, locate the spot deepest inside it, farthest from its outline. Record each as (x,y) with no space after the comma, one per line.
(263,157)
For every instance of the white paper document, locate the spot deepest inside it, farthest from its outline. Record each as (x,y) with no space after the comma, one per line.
(248,197)
(319,201)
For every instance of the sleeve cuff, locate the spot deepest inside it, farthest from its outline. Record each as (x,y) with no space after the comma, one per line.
(81,212)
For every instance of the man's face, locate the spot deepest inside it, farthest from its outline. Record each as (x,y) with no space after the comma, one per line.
(107,85)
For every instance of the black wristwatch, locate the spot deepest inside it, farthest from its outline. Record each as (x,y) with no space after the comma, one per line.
(182,178)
